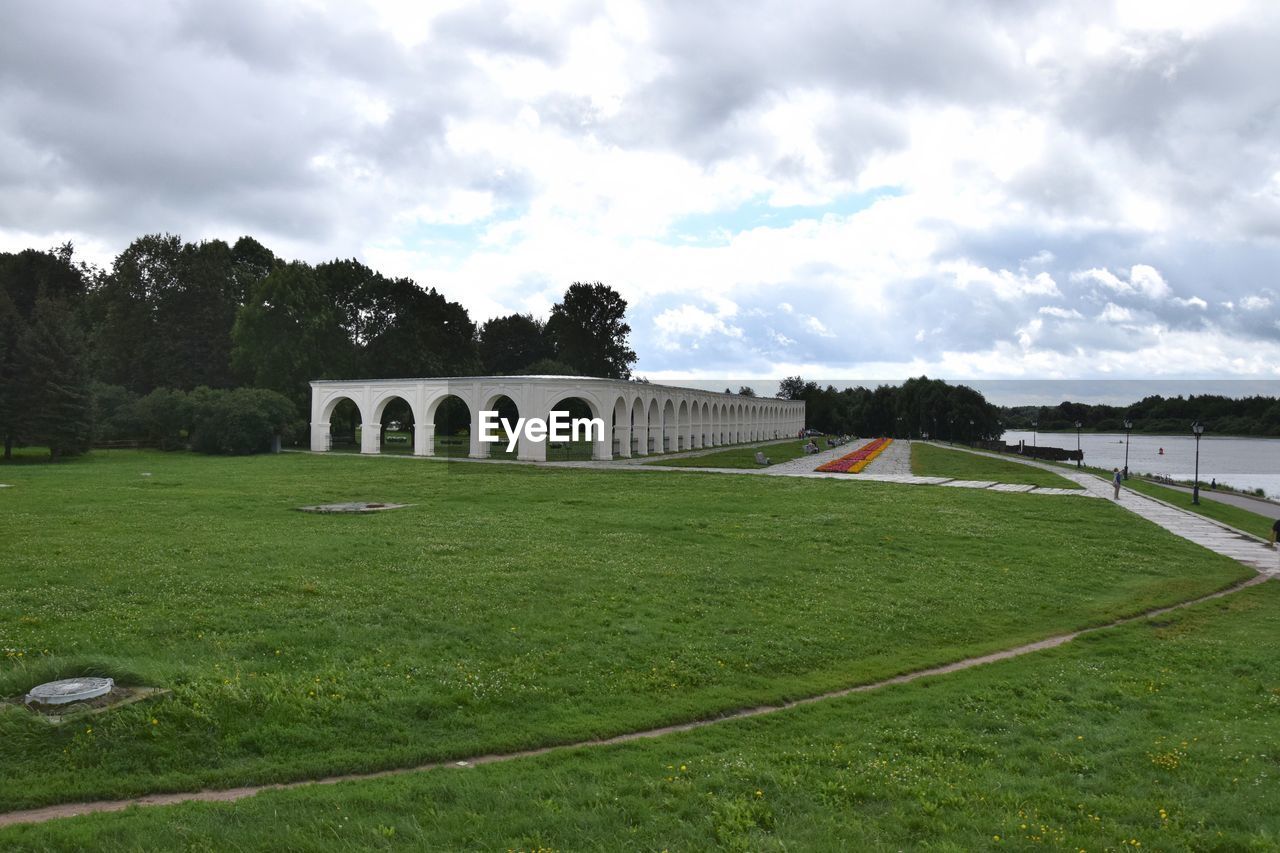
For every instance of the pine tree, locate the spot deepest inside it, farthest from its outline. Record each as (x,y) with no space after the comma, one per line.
(56,407)
(10,331)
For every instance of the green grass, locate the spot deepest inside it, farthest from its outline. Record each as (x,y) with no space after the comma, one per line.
(1250,522)
(1160,735)
(741,457)
(509,607)
(929,460)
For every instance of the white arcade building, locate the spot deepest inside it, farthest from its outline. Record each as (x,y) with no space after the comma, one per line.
(640,418)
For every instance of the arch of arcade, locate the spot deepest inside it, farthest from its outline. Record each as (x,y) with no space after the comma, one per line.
(640,418)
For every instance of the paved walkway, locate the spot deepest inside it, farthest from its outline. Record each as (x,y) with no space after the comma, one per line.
(894,460)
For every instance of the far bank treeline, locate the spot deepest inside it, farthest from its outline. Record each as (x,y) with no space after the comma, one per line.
(213,344)
(917,408)
(1254,416)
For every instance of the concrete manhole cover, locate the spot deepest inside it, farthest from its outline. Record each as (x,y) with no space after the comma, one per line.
(68,690)
(352,506)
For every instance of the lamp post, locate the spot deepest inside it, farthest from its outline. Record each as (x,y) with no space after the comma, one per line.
(1080,456)
(972,438)
(1128,428)
(1034,426)
(1198,429)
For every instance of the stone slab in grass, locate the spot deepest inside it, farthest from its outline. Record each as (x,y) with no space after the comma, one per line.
(1012,487)
(119,696)
(352,506)
(971,484)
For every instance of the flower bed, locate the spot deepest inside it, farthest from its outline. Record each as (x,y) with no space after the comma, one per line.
(852,463)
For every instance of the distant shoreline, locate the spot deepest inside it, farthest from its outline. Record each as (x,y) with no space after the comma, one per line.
(1121,434)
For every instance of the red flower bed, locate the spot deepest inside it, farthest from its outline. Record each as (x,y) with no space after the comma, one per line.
(854,462)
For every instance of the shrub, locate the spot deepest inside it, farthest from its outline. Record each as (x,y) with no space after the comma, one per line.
(115,415)
(241,421)
(166,418)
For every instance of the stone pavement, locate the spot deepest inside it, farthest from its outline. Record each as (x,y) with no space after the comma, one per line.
(802,465)
(894,460)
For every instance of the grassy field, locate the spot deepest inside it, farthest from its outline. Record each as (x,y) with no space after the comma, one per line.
(928,460)
(509,607)
(742,457)
(1160,735)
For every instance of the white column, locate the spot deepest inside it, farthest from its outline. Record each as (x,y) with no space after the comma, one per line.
(640,434)
(478,449)
(531,451)
(371,438)
(602,448)
(424,440)
(622,434)
(319,437)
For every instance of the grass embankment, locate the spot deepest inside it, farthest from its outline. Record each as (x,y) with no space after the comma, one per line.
(1159,735)
(511,606)
(1250,522)
(928,460)
(740,457)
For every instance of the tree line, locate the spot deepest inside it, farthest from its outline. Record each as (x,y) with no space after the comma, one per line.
(917,408)
(89,353)
(1220,415)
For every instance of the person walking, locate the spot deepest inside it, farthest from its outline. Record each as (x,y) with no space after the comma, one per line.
(1115,482)
(1275,531)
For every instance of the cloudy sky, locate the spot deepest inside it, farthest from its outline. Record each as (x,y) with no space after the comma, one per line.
(847,189)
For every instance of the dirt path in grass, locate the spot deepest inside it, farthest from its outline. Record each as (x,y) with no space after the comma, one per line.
(48,813)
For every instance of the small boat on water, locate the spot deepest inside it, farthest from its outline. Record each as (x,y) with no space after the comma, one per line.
(1161,451)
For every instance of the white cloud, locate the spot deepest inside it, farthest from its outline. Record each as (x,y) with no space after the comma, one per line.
(1191,302)
(1148,281)
(1061,313)
(780,339)
(1255,303)
(1104,277)
(679,327)
(1004,284)
(1113,313)
(1143,280)
(816,326)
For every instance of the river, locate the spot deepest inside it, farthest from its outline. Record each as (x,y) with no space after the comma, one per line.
(1245,463)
